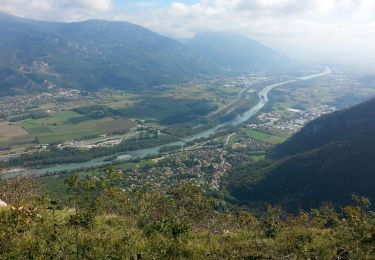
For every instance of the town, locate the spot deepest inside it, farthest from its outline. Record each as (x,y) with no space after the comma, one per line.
(289,121)
(21,104)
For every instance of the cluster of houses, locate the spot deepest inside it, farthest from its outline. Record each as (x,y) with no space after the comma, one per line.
(20,104)
(290,120)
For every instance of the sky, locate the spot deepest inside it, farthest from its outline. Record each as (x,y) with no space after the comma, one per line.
(335,31)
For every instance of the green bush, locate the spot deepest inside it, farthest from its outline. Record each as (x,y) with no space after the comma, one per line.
(103,221)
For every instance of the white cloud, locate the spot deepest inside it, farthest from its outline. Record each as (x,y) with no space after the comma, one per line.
(62,10)
(95,5)
(312,29)
(339,30)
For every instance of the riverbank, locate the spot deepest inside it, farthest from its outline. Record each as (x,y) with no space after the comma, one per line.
(102,161)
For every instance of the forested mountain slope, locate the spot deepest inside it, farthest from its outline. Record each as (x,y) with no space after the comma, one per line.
(327,161)
(90,55)
(346,125)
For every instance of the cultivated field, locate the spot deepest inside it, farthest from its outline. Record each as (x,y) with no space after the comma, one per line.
(168,110)
(265,137)
(111,125)
(11,133)
(69,125)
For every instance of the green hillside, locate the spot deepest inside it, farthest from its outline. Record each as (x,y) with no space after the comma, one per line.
(330,159)
(346,125)
(100,220)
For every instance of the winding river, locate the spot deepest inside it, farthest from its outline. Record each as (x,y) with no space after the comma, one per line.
(263,99)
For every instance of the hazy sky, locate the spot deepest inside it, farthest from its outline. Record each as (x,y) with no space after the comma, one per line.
(318,30)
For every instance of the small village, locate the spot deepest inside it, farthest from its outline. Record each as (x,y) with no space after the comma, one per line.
(20,104)
(291,120)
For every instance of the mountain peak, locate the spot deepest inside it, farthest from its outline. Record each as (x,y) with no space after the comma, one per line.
(230,50)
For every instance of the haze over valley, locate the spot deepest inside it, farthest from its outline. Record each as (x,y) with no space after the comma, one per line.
(156,130)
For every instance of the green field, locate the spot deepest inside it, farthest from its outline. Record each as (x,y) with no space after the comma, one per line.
(258,157)
(265,137)
(60,126)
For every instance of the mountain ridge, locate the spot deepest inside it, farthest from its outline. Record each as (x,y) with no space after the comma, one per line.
(96,53)
(230,50)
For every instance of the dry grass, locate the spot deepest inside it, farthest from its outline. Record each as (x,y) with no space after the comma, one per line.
(11,133)
(11,130)
(110,125)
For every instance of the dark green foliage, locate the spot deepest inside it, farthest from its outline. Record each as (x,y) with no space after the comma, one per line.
(103,221)
(342,126)
(96,111)
(328,160)
(169,110)
(189,129)
(34,115)
(85,196)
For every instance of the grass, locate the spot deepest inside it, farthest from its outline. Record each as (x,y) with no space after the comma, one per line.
(265,137)
(257,158)
(59,126)
(134,166)
(55,128)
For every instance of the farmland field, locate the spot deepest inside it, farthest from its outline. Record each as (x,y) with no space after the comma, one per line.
(265,137)
(257,158)
(169,110)
(11,133)
(69,125)
(111,125)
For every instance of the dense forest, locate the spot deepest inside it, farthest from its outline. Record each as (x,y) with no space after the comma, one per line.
(342,126)
(328,160)
(102,221)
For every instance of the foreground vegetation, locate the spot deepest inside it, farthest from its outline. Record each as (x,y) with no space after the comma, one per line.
(103,221)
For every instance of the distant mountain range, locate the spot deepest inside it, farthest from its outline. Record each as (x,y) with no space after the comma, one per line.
(331,158)
(91,55)
(234,51)
(96,53)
